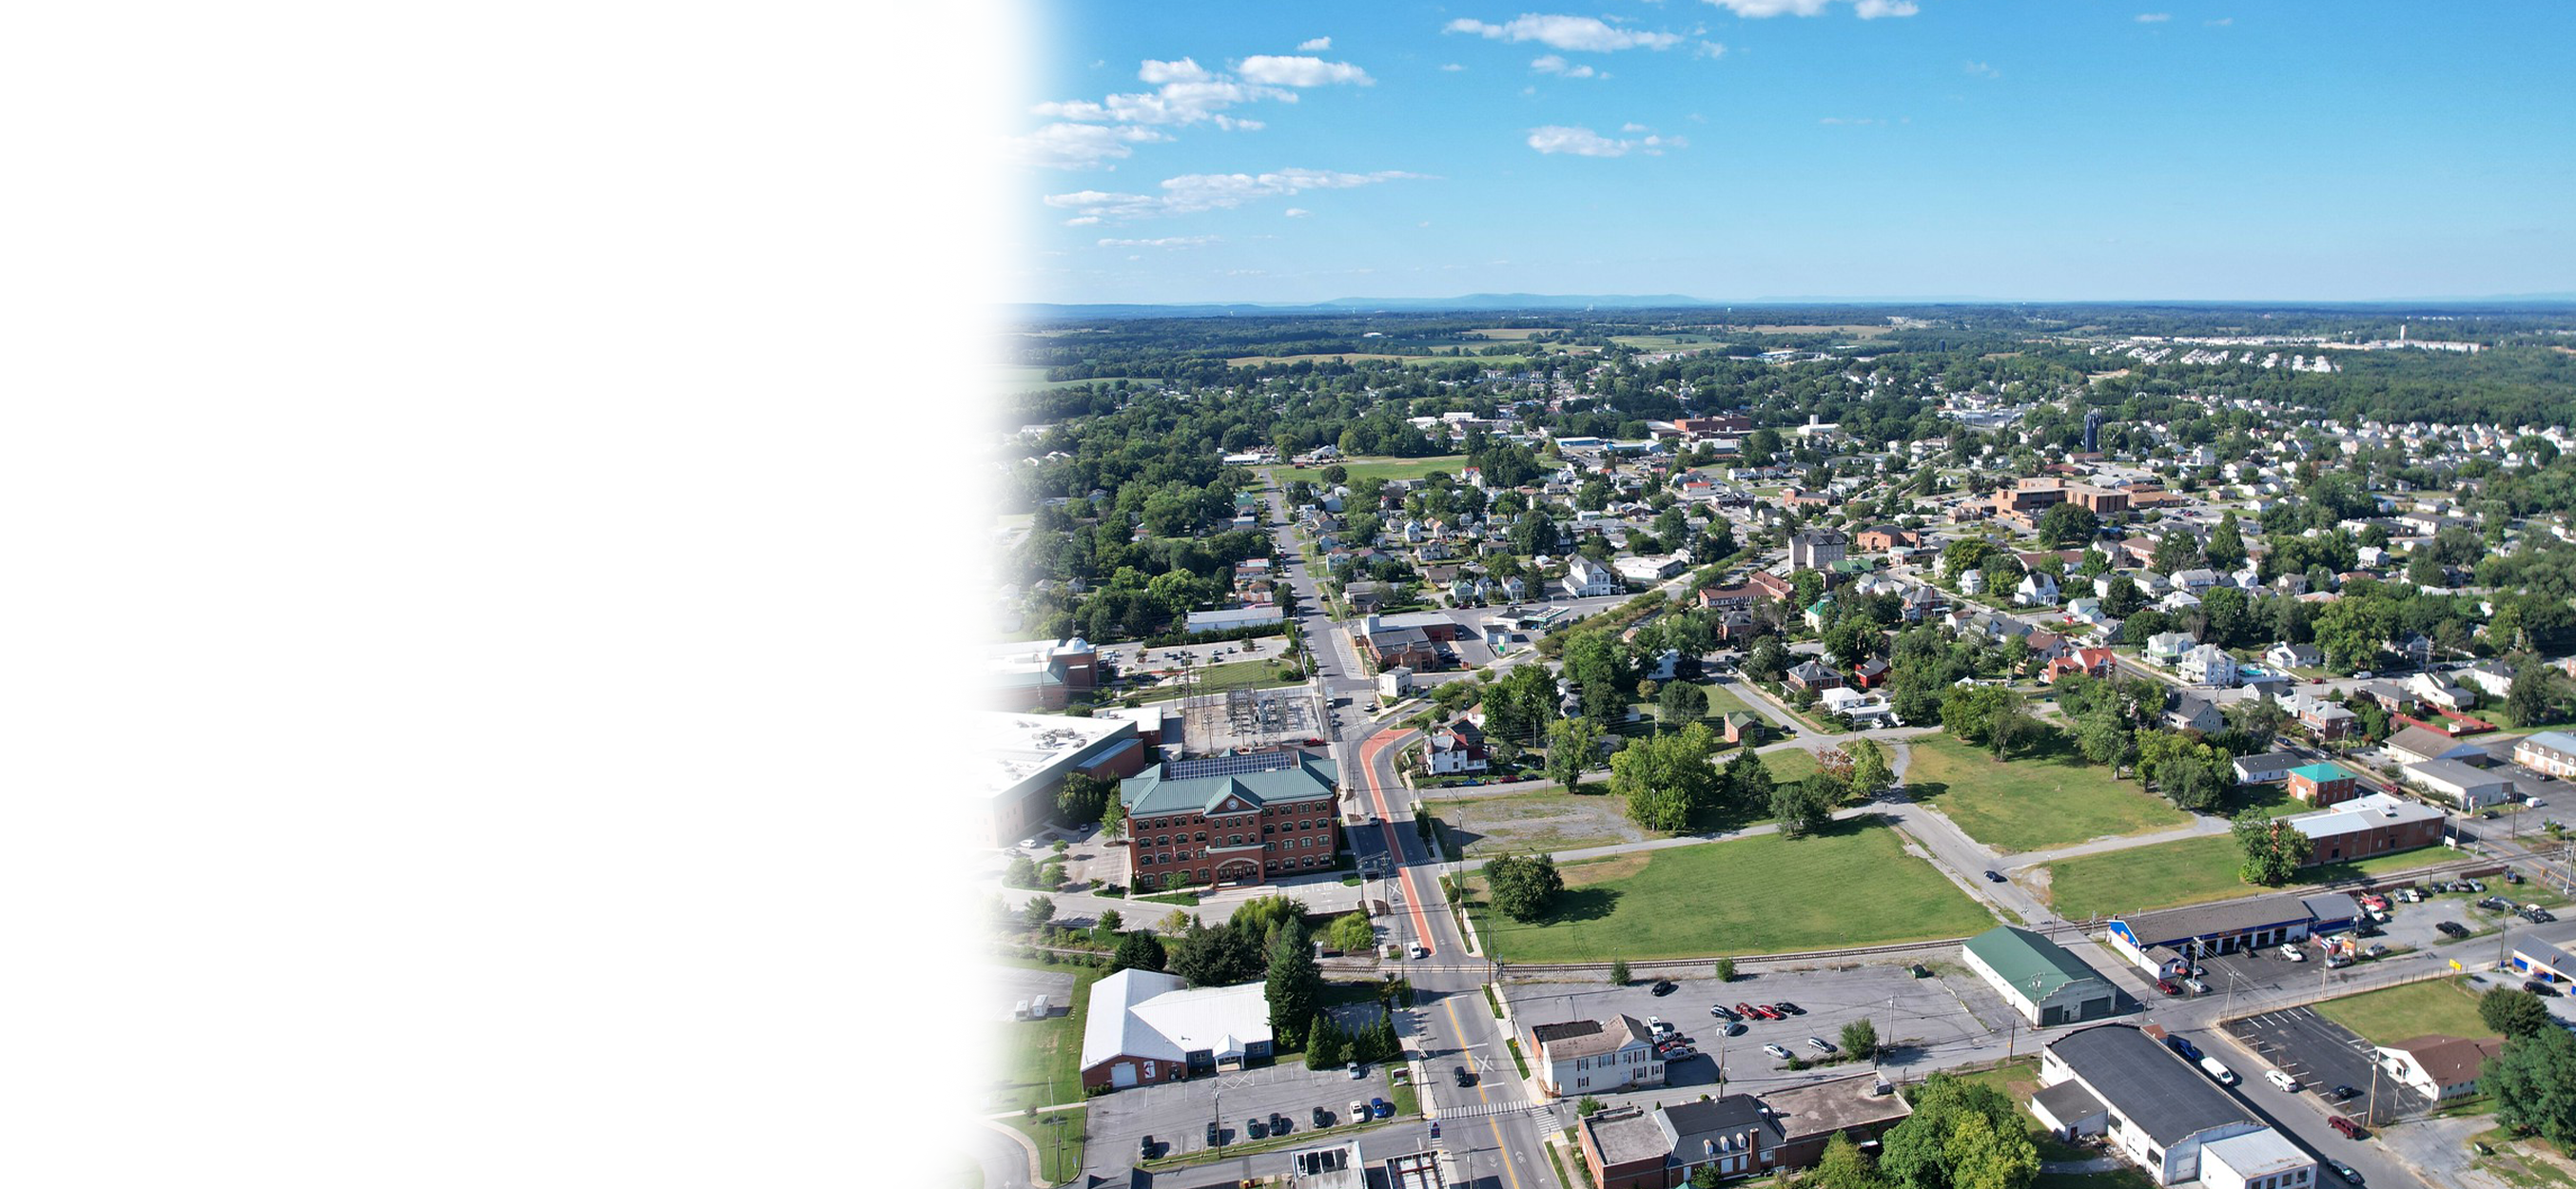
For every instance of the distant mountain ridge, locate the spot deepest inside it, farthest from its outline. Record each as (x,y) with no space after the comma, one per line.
(1542,302)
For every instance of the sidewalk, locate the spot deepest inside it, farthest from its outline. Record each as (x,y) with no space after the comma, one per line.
(2202,826)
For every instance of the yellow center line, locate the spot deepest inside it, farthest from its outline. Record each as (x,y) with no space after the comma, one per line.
(1502,1152)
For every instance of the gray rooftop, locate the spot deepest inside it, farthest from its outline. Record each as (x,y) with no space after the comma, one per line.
(2147,1083)
(2209,920)
(2068,1102)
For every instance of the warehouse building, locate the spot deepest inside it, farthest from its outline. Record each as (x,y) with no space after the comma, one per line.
(2148,1104)
(2042,981)
(2377,824)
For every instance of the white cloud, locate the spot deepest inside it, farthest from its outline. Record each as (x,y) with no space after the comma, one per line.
(1082,221)
(1867,10)
(1585,34)
(1555,64)
(1452,67)
(1982,70)
(2222,21)
(1709,49)
(1632,127)
(1192,193)
(1851,120)
(2154,18)
(1080,146)
(1296,212)
(1584,142)
(1172,241)
(1300,72)
(1317,45)
(1186,70)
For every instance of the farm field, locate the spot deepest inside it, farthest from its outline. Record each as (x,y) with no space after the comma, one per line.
(2035,802)
(1764,894)
(2444,1006)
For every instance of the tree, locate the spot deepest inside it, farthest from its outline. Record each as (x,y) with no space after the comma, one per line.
(1803,805)
(1037,912)
(2066,524)
(2513,1011)
(1110,919)
(1351,933)
(1294,986)
(1619,972)
(2176,550)
(2536,694)
(1326,1046)
(1680,702)
(1082,799)
(1585,1106)
(2533,1083)
(2225,549)
(2103,734)
(1861,1037)
(1705,1176)
(1523,885)
(1113,820)
(1962,1135)
(1570,744)
(1870,775)
(1139,950)
(2273,852)
(1206,957)
(1725,970)
(1668,780)
(1022,872)
(1844,1166)
(1768,660)
(1747,781)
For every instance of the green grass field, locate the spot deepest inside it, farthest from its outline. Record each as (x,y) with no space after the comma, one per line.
(2191,871)
(1042,1061)
(2442,1006)
(985,380)
(2051,798)
(1789,763)
(962,1169)
(1549,820)
(1764,894)
(1376,468)
(1219,678)
(1059,1138)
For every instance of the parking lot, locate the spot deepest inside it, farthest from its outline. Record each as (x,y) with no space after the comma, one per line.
(2322,1055)
(1177,1114)
(1915,1017)
(1009,986)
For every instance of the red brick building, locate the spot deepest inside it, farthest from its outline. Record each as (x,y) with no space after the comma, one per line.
(2322,784)
(1228,821)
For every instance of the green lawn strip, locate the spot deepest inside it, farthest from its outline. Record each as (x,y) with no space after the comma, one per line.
(2052,798)
(1493,1002)
(1514,1045)
(1722,701)
(962,1169)
(1789,763)
(2435,1007)
(1582,1170)
(1407,1100)
(1042,1059)
(1056,1167)
(1763,894)
(1375,468)
(2188,871)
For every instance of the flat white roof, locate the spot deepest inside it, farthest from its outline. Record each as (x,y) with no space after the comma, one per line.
(2256,1153)
(1021,747)
(2361,813)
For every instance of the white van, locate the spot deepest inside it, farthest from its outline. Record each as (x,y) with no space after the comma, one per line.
(2224,1075)
(2284,1082)
(1038,1009)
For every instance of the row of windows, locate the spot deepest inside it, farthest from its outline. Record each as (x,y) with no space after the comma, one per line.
(1184,823)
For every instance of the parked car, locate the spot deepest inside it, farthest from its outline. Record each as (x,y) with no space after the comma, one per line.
(1358,1112)
(2197,987)
(1771,1011)
(1323,1118)
(2342,1093)
(1145,1147)
(2537,987)
(1255,1129)
(2167,986)
(1655,1026)
(1665,988)
(1746,1009)
(1212,1134)
(2376,949)
(1355,1071)
(1719,1010)
(2453,928)
(1381,1108)
(2345,1171)
(1820,1044)
(2348,1128)
(1680,1053)
(1279,1124)
(2282,1081)
(2294,953)
(1776,1051)
(1734,1028)
(2189,1051)
(1994,876)
(1791,1008)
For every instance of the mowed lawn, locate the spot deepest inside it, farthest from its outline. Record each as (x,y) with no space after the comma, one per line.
(1042,1059)
(1786,764)
(1376,468)
(2442,1006)
(1850,885)
(2191,871)
(2051,798)
(1219,678)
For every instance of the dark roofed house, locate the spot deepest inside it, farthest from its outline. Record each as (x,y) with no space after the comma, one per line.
(2440,1067)
(1808,674)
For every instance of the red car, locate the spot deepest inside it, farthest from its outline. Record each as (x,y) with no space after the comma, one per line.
(1769,1012)
(2166,986)
(2350,1129)
(1747,1009)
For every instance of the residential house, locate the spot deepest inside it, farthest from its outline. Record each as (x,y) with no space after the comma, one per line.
(2092,662)
(2169,646)
(2325,720)
(1870,674)
(2036,590)
(2207,664)
(1586,578)
(1737,726)
(2190,712)
(1857,706)
(1820,613)
(1453,750)
(2266,768)
(2439,690)
(2438,1067)
(2490,676)
(2551,753)
(2195,580)
(2322,784)
(2294,656)
(2415,745)
(2391,696)
(1810,674)
(1580,1057)
(1733,1135)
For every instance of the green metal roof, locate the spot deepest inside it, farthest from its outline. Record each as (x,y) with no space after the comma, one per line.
(2035,966)
(2320,773)
(1150,794)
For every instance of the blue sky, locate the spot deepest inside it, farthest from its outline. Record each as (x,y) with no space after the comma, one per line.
(1741,149)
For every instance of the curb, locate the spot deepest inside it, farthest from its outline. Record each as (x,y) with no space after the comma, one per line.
(1036,1170)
